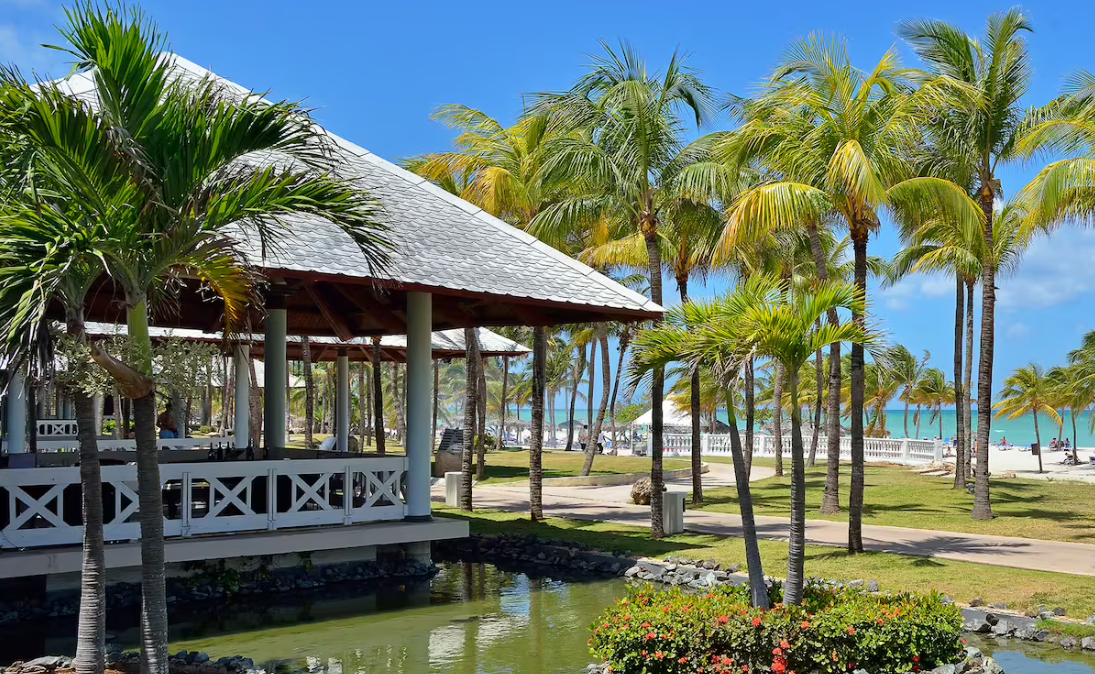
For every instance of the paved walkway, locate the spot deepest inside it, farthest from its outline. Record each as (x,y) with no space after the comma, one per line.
(605,504)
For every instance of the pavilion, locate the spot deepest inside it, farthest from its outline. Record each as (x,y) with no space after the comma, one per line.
(453,266)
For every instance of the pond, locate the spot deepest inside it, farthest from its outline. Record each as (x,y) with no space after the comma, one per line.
(469,619)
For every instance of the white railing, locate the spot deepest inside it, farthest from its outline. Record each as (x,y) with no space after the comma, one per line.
(48,428)
(41,506)
(112,445)
(875,450)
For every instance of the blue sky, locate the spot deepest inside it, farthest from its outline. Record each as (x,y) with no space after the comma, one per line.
(375,71)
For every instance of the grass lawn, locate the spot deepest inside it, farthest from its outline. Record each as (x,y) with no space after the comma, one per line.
(512,465)
(899,497)
(1020,590)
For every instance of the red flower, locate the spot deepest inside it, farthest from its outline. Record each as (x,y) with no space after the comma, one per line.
(778,667)
(683,660)
(777,651)
(805,625)
(643,652)
(851,631)
(916,658)
(723,619)
(646,624)
(756,622)
(916,669)
(650,636)
(727,661)
(835,658)
(880,621)
(659,655)
(784,644)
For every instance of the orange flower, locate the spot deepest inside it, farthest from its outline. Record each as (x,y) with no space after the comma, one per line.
(805,625)
(851,631)
(650,636)
(784,644)
(756,622)
(646,625)
(659,655)
(683,660)
(777,652)
(723,619)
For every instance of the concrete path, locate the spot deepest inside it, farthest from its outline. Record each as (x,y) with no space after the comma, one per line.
(609,504)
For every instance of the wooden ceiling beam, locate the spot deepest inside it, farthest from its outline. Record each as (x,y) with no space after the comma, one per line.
(375,309)
(337,323)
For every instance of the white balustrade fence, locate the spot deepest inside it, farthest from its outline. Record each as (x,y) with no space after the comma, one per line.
(41,506)
(50,428)
(112,445)
(875,450)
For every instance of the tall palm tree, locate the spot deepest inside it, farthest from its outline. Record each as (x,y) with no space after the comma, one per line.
(174,146)
(501,170)
(309,392)
(837,141)
(1027,391)
(378,398)
(471,409)
(536,443)
(907,371)
(36,271)
(943,246)
(1073,389)
(935,392)
(620,163)
(977,130)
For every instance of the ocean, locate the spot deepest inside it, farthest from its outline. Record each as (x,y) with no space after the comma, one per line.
(1016,431)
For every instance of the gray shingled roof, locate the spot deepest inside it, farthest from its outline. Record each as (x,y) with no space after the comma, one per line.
(440,240)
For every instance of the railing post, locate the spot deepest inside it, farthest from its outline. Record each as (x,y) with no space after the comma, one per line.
(348,496)
(937,445)
(185,501)
(705,443)
(649,444)
(272,499)
(905,457)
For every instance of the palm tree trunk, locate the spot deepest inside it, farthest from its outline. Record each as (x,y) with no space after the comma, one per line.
(309,393)
(796,549)
(694,390)
(820,377)
(362,405)
(1075,440)
(254,402)
(576,376)
(959,396)
(624,339)
(481,412)
(1038,439)
(436,396)
(657,387)
(503,405)
(777,417)
(750,414)
(536,442)
(830,502)
(918,421)
(758,590)
(398,389)
(378,398)
(967,387)
(91,628)
(590,384)
(982,507)
(600,331)
(471,383)
(150,502)
(858,387)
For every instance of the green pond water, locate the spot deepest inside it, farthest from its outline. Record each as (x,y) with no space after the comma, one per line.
(469,619)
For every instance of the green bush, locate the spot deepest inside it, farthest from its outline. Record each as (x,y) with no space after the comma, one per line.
(673,632)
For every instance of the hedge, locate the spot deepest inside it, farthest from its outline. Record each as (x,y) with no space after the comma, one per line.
(674,632)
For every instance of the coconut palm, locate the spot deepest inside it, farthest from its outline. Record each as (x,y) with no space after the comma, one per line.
(934,391)
(837,141)
(1073,389)
(942,246)
(976,131)
(178,147)
(501,170)
(620,163)
(907,371)
(763,317)
(1027,391)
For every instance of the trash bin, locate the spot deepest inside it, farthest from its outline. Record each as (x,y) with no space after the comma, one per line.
(452,489)
(673,512)
(1035,449)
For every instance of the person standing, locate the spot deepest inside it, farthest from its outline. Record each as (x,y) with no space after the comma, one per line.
(166,423)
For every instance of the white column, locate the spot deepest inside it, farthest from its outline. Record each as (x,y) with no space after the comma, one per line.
(419,403)
(276,365)
(241,363)
(342,402)
(17,412)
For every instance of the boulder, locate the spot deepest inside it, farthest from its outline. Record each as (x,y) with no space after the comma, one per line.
(1068,642)
(632,571)
(640,492)
(1039,635)
(1059,611)
(1088,643)
(872,586)
(944,669)
(992,618)
(1003,628)
(977,602)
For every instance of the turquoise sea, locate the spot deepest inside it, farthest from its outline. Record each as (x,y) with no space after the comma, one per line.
(1016,431)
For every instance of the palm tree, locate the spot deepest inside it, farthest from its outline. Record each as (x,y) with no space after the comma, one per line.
(36,271)
(471,408)
(1027,391)
(173,145)
(935,392)
(836,139)
(620,163)
(309,392)
(977,130)
(536,443)
(1073,389)
(907,371)
(763,317)
(378,398)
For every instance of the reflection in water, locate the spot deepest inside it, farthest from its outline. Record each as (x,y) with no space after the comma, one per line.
(469,619)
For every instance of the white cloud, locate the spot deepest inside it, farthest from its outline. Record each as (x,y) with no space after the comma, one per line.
(916,288)
(1055,270)
(1017,332)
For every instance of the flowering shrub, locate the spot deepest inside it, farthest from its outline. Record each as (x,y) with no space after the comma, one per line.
(673,632)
